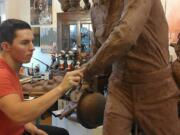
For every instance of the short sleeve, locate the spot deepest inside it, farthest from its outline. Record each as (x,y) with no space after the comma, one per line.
(6,84)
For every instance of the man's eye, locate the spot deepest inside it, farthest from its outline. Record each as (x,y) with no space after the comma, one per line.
(25,43)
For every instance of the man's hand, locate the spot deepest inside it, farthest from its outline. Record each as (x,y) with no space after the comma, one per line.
(33,130)
(71,79)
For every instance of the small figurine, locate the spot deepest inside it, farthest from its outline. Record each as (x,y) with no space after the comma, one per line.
(69,62)
(61,62)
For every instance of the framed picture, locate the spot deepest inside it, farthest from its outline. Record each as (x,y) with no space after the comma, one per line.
(48,40)
(41,12)
(36,32)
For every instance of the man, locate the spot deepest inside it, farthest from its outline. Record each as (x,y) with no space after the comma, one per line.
(132,36)
(16,40)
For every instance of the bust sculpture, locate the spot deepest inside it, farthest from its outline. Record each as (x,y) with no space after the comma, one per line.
(74,5)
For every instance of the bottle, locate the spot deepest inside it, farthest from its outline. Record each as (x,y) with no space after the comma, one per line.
(69,62)
(61,63)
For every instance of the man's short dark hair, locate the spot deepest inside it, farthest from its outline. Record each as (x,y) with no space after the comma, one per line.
(9,27)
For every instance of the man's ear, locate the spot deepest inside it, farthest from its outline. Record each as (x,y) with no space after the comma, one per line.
(5,46)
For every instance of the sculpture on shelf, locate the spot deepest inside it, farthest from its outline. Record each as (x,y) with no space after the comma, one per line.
(64,5)
(74,5)
(87,5)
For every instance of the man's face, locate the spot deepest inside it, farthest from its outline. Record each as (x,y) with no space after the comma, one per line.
(21,50)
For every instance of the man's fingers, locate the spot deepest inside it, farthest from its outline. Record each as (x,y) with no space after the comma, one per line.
(73,83)
(76,78)
(77,73)
(82,69)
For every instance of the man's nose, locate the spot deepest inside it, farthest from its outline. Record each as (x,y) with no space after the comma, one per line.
(31,47)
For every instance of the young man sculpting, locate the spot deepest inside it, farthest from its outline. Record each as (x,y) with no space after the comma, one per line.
(16,44)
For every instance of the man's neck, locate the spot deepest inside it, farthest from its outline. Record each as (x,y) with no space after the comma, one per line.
(11,62)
